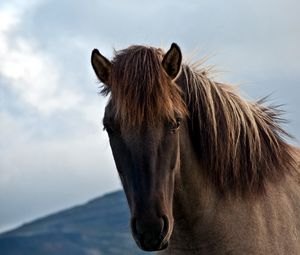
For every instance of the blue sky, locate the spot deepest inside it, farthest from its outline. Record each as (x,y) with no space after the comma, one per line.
(53,152)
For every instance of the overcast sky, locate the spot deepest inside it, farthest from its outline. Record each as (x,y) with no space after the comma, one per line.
(53,152)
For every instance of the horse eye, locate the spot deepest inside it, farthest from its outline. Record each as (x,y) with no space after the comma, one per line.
(176,125)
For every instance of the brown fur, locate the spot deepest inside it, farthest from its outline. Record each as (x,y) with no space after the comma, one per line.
(241,143)
(173,175)
(141,90)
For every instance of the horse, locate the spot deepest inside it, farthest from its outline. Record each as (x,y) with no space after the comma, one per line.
(204,170)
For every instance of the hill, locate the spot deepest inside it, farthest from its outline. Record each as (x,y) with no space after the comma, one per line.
(98,227)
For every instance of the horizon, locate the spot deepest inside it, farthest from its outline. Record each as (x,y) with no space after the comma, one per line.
(49,214)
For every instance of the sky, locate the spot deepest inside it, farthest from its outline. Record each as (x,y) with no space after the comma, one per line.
(53,151)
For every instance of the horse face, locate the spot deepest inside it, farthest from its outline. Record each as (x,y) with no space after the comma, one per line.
(147,161)
(147,157)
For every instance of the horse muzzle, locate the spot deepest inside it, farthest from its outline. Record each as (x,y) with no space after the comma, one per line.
(151,234)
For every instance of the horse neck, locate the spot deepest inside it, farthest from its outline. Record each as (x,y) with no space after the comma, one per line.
(194,198)
(199,209)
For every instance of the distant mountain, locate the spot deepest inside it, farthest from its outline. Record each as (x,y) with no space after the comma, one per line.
(99,227)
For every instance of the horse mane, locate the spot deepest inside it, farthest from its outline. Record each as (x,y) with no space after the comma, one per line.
(141,91)
(240,143)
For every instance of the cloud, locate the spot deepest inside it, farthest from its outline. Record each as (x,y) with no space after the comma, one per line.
(52,152)
(40,174)
(29,71)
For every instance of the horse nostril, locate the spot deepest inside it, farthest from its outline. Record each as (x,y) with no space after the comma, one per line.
(165,228)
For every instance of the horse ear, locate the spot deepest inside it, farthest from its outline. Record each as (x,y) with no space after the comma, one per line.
(101,65)
(172,61)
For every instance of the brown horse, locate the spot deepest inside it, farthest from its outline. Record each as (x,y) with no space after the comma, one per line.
(204,170)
